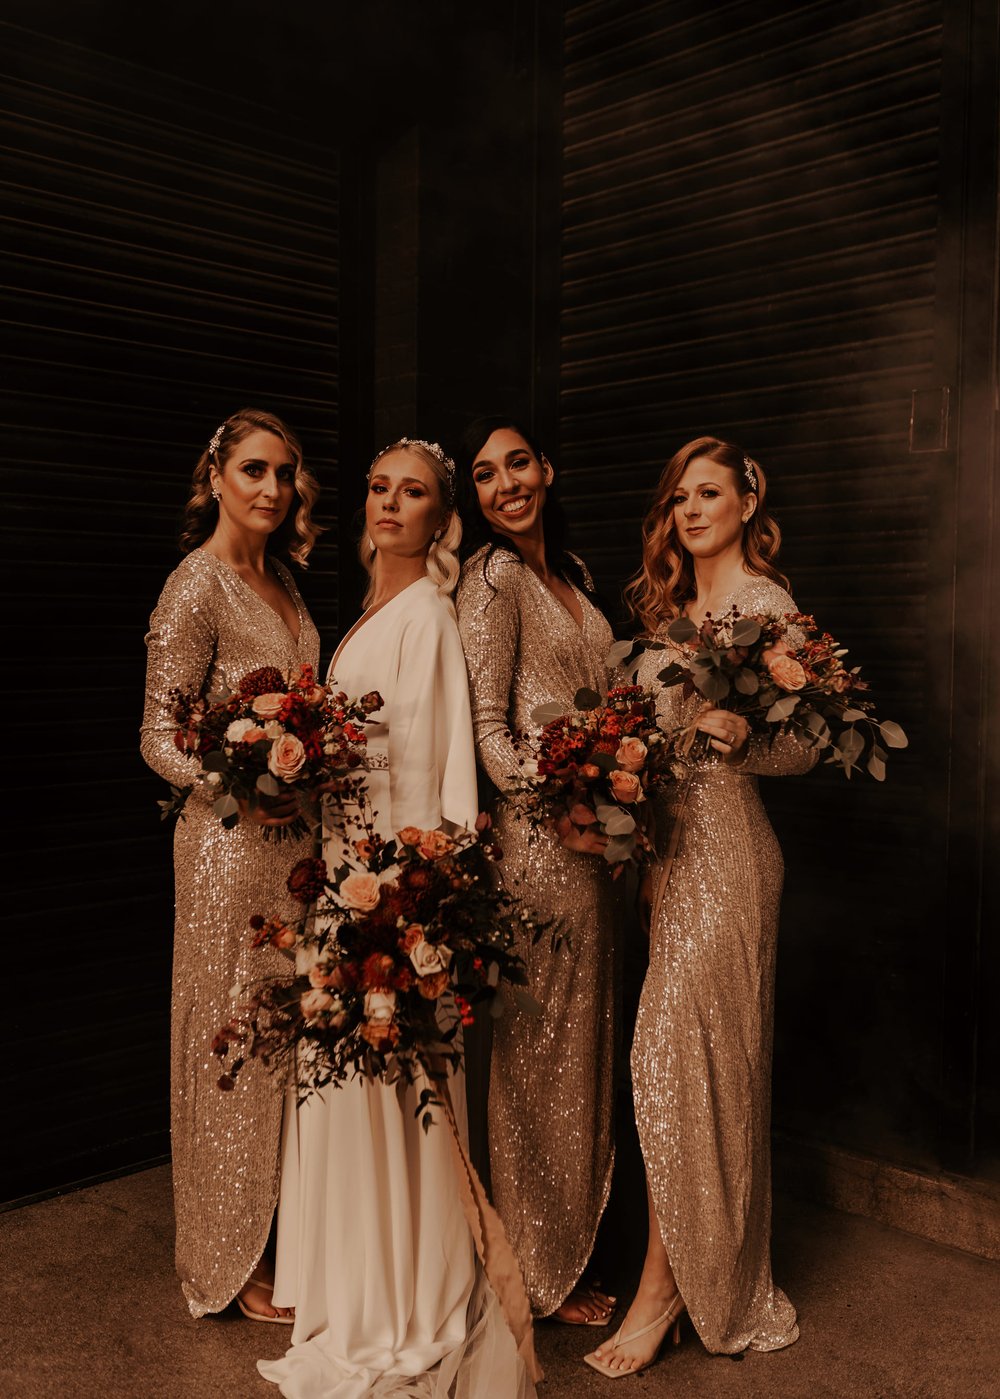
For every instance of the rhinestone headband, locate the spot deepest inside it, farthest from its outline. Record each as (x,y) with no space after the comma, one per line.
(213,446)
(750,472)
(433,448)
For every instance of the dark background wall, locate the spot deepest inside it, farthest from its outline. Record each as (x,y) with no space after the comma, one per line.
(628,224)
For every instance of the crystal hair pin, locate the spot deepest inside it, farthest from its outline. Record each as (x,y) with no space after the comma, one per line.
(750,472)
(433,448)
(213,446)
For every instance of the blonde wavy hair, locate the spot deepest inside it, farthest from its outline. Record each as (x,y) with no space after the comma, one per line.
(297,532)
(666,580)
(443,566)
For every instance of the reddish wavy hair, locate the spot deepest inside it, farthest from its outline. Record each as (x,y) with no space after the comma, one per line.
(665,582)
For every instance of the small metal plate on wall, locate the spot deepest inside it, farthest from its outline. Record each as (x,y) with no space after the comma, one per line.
(929,419)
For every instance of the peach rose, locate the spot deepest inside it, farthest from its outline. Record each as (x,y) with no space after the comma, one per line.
(360,891)
(434,844)
(428,958)
(590,771)
(316,1003)
(430,987)
(379,1034)
(287,757)
(786,672)
(323,975)
(267,706)
(625,786)
(410,835)
(256,735)
(631,754)
(281,935)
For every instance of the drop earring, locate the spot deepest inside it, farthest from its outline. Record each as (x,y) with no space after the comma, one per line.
(437,535)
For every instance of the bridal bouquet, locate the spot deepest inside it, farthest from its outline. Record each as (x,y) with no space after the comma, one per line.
(274,733)
(401,948)
(594,767)
(784,676)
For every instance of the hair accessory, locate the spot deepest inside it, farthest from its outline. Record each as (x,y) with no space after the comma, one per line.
(213,446)
(434,448)
(750,472)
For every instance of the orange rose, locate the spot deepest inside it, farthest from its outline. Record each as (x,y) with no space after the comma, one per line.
(411,936)
(631,754)
(315,1003)
(786,672)
(360,891)
(625,786)
(409,835)
(590,771)
(434,844)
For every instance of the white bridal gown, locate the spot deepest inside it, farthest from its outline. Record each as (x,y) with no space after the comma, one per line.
(374,1250)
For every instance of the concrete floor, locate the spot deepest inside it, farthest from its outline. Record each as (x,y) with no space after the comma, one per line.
(91,1310)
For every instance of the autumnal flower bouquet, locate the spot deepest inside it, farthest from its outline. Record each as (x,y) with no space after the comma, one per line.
(594,767)
(402,947)
(272,734)
(784,676)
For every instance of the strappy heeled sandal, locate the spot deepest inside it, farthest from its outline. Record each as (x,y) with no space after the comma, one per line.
(670,1318)
(259,1316)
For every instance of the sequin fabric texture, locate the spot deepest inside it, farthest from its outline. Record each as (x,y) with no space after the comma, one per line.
(701,1056)
(208,630)
(551,1078)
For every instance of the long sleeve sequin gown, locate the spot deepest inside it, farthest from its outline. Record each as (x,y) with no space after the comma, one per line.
(701,1056)
(374,1250)
(209,629)
(551,1078)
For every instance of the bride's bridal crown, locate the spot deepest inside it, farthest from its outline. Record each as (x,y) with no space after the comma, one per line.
(433,448)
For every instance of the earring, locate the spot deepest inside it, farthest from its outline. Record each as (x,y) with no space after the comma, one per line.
(216,495)
(437,535)
(371,545)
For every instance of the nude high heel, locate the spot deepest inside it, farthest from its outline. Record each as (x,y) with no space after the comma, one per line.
(670,1318)
(259,1316)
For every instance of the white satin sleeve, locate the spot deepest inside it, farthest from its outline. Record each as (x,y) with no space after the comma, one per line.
(432,764)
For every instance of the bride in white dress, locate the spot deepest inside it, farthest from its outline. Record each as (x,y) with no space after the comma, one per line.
(374,1247)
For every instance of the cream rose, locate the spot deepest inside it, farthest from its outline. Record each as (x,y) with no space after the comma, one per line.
(273,729)
(238,728)
(631,754)
(380,1007)
(315,1003)
(625,786)
(267,706)
(786,672)
(360,891)
(428,958)
(287,757)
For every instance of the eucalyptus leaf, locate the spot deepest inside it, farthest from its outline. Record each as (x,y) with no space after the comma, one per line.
(781,709)
(215,762)
(585,698)
(225,806)
(620,824)
(604,761)
(851,745)
(605,812)
(893,734)
(230,821)
(745,631)
(268,785)
(619,848)
(876,767)
(714,686)
(525,1001)
(746,681)
(618,654)
(545,713)
(681,630)
(673,674)
(852,716)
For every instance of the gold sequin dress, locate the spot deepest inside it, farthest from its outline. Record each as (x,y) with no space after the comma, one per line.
(551,1079)
(209,629)
(701,1056)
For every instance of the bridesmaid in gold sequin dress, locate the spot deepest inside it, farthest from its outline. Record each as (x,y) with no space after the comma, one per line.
(701,1057)
(229,608)
(532,634)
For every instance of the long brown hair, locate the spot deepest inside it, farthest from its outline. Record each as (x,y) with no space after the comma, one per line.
(297,533)
(665,582)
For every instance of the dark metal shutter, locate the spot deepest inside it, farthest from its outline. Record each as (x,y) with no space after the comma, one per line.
(170,255)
